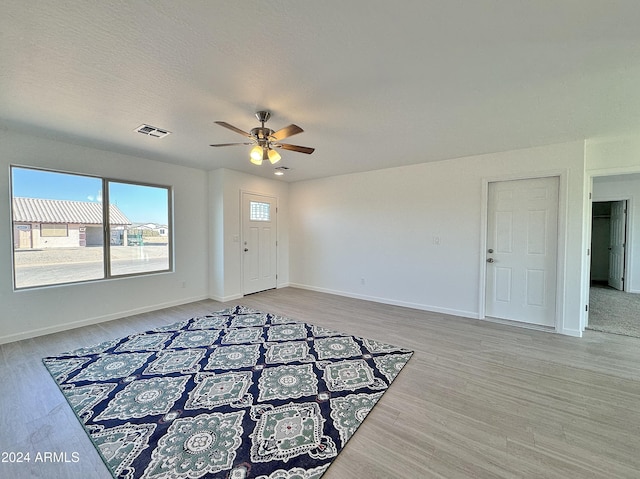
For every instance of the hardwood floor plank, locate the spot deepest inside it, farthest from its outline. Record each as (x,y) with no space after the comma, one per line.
(476,400)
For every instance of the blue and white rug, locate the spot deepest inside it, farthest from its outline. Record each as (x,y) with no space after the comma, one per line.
(235,394)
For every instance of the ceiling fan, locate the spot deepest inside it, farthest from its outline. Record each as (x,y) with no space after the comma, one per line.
(265,140)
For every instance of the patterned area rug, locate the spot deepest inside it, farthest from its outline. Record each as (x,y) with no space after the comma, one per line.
(234,394)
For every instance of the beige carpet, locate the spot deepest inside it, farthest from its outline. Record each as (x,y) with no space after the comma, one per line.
(613,311)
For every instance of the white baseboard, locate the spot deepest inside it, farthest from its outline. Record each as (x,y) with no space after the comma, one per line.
(95,320)
(234,297)
(576,333)
(405,304)
(226,299)
(423,307)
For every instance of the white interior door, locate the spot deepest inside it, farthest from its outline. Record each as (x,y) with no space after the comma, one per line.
(617,235)
(522,249)
(259,243)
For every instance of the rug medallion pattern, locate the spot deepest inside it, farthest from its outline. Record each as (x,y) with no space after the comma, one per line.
(234,394)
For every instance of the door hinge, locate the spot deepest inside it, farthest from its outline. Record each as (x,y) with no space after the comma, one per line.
(276,276)
(586,307)
(589,195)
(588,251)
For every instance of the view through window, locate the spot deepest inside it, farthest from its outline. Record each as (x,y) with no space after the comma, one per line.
(63,232)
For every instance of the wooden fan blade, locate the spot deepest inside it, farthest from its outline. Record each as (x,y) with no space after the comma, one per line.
(232,128)
(232,144)
(299,149)
(287,131)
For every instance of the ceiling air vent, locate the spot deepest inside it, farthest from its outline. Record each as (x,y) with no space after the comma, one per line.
(280,170)
(152,131)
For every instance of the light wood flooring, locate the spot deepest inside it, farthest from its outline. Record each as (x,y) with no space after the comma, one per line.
(476,400)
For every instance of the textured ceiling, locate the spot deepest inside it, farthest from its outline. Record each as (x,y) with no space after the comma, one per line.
(374,84)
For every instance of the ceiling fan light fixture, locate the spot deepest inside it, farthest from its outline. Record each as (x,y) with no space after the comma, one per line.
(256,155)
(274,156)
(264,139)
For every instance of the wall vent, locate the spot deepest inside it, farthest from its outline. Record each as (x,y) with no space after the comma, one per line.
(152,131)
(280,170)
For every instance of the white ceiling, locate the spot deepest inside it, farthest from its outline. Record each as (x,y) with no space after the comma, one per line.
(374,84)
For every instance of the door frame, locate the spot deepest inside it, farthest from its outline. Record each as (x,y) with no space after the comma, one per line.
(563,186)
(241,235)
(590,175)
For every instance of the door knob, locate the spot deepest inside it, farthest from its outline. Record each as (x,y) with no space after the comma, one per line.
(246,249)
(490,260)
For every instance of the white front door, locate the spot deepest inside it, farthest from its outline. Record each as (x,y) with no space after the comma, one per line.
(522,239)
(617,243)
(259,243)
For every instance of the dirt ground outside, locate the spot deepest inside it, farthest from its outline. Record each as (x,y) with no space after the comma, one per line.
(65,265)
(88,254)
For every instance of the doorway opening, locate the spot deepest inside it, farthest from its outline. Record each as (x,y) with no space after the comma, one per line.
(608,244)
(613,306)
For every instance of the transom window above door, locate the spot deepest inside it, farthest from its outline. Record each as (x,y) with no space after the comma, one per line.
(259,211)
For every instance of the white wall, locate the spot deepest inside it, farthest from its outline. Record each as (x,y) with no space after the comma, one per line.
(29,313)
(379,226)
(216,264)
(612,155)
(382,227)
(225,276)
(619,187)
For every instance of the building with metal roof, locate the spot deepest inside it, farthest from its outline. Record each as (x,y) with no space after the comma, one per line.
(45,223)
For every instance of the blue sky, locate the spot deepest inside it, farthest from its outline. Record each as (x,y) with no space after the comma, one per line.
(141,204)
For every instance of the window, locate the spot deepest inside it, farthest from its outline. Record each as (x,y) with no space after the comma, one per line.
(70,228)
(259,211)
(147,246)
(53,230)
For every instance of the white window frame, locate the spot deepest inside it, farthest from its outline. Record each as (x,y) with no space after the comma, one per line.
(106,259)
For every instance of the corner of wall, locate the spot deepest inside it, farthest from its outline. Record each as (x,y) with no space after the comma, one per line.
(215,208)
(225,299)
